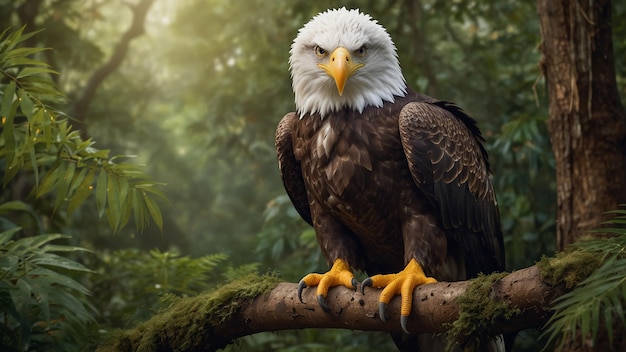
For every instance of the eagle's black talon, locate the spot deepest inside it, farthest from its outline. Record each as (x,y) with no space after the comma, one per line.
(366,282)
(301,286)
(382,307)
(322,302)
(354,284)
(404,320)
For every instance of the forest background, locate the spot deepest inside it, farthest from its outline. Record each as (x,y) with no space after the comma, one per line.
(196,99)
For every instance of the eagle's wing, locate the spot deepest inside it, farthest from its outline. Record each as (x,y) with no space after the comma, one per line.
(290,169)
(448,163)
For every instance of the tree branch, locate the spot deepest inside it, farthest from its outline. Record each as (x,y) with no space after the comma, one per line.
(194,324)
(79,110)
(435,306)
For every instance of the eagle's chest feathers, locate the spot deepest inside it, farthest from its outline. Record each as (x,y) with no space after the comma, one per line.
(344,159)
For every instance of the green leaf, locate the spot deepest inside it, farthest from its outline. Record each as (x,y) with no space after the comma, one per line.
(17,37)
(8,131)
(66,172)
(154,211)
(14,205)
(149,187)
(12,58)
(139,209)
(51,277)
(82,192)
(49,180)
(127,209)
(54,260)
(43,298)
(5,236)
(29,71)
(7,100)
(595,322)
(77,180)
(8,266)
(123,190)
(62,248)
(26,104)
(101,192)
(114,206)
(608,321)
(21,297)
(31,244)
(33,159)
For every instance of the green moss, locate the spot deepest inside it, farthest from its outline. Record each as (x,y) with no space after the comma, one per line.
(190,322)
(478,314)
(569,267)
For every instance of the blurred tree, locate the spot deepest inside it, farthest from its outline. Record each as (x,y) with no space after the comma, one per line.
(136,28)
(587,120)
(587,126)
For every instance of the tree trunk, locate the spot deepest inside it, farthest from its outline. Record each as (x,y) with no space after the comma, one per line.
(587,123)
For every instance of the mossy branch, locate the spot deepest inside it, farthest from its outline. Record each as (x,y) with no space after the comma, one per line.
(511,302)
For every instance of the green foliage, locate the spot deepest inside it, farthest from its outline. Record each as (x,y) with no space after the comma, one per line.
(286,238)
(37,138)
(41,304)
(596,302)
(134,284)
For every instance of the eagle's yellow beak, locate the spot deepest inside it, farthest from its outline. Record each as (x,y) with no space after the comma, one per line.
(340,67)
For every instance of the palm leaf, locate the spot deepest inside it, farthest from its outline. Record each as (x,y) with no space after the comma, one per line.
(597,300)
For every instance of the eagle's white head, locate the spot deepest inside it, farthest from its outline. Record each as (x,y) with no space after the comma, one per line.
(344,59)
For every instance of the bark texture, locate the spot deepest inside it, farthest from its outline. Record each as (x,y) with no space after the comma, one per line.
(587,122)
(435,306)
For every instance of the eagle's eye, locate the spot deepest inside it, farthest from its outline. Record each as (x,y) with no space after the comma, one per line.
(361,51)
(319,51)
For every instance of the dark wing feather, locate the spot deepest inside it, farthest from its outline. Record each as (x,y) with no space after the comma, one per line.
(448,163)
(289,167)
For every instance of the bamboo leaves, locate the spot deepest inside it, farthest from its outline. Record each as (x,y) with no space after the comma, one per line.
(37,138)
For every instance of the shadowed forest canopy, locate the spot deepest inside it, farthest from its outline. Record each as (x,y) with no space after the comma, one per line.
(196,99)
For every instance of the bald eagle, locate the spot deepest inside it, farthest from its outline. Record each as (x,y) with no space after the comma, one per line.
(394,182)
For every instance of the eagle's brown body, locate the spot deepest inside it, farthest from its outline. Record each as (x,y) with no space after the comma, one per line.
(407,180)
(394,182)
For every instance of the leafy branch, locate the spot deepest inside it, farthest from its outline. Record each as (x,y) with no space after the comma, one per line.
(38,138)
(41,302)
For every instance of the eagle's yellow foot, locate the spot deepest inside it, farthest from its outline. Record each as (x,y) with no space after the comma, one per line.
(401,283)
(339,274)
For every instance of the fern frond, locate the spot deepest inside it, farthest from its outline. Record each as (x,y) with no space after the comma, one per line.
(597,300)
(40,300)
